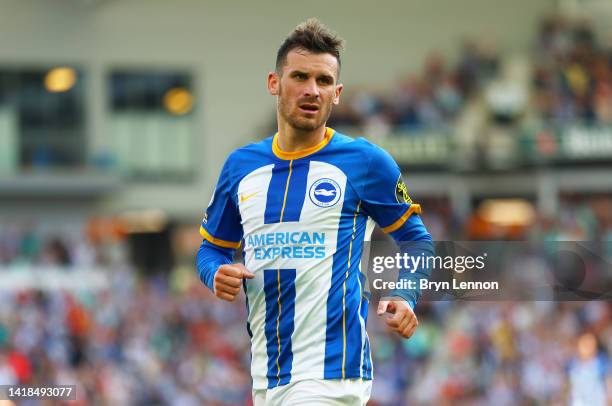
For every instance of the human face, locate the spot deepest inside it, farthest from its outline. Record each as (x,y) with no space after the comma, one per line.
(306,88)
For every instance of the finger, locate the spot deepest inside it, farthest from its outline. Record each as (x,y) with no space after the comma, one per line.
(236,271)
(230,270)
(244,272)
(409,331)
(382,307)
(392,322)
(228,280)
(226,296)
(413,324)
(404,322)
(410,326)
(227,289)
(398,323)
(401,314)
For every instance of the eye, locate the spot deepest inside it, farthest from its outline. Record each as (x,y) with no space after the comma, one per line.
(300,76)
(325,80)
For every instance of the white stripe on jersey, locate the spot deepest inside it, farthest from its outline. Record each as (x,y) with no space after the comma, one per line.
(252,197)
(313,277)
(314,281)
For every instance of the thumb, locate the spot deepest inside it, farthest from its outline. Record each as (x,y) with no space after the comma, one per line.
(382,307)
(245,272)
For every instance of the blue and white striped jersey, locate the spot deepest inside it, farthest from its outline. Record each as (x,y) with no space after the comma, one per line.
(302,219)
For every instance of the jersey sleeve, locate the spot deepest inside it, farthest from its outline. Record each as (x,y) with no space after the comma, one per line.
(385,198)
(209,258)
(221,224)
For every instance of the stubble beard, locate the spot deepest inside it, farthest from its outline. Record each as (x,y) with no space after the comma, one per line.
(302,123)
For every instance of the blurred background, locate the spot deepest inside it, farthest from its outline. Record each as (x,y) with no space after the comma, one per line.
(116,116)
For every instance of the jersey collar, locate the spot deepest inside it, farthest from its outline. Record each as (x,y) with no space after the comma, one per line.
(329,133)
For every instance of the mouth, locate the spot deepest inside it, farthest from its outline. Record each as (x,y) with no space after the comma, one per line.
(309,108)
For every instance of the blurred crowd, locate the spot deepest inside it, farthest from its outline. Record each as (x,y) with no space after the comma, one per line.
(572,75)
(21,245)
(579,217)
(498,353)
(430,99)
(568,78)
(163,338)
(147,339)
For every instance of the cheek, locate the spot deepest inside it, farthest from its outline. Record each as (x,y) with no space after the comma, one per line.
(331,97)
(287,93)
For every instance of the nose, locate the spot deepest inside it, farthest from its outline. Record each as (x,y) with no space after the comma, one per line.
(311,89)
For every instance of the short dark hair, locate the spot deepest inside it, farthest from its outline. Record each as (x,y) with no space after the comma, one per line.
(311,36)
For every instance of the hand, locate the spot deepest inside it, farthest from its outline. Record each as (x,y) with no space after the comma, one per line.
(228,280)
(404,322)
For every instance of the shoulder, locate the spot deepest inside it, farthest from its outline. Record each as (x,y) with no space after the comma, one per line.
(255,149)
(376,154)
(360,156)
(344,141)
(364,162)
(249,157)
(362,147)
(379,167)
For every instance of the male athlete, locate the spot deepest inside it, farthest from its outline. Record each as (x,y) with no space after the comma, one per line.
(302,203)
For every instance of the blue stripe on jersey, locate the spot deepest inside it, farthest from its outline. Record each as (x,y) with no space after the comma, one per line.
(353,303)
(279,288)
(248,308)
(367,365)
(365,298)
(297,191)
(286,192)
(274,201)
(246,295)
(343,335)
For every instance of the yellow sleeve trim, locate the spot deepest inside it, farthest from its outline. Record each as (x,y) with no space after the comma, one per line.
(414,208)
(217,241)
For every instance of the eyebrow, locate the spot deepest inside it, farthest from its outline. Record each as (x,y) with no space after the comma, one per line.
(323,76)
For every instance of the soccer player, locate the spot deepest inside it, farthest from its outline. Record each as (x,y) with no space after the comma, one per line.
(300,205)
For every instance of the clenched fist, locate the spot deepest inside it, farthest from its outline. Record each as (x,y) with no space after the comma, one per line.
(228,280)
(404,322)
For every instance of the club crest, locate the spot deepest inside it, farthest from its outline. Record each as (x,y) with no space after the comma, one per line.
(325,192)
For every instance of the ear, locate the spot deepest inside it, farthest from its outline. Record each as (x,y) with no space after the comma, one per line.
(339,88)
(273,83)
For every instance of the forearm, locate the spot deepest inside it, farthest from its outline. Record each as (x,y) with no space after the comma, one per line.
(416,243)
(209,258)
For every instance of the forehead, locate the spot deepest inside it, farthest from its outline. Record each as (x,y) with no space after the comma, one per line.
(305,61)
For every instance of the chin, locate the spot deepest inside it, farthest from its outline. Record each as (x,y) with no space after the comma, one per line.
(305,125)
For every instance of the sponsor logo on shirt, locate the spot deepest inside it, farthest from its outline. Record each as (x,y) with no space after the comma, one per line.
(290,244)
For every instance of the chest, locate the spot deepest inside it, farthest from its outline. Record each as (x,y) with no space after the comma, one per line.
(305,195)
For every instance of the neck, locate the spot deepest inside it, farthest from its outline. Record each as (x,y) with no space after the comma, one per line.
(291,139)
